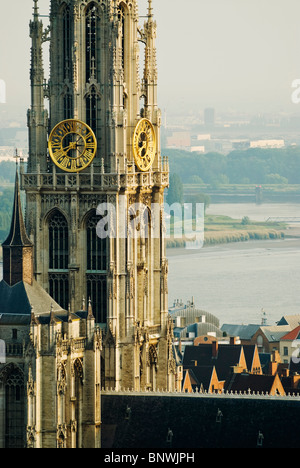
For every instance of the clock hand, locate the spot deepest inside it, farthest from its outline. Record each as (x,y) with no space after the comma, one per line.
(67,148)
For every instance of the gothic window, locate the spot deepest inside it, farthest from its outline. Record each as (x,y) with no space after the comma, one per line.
(14,405)
(92,109)
(68,106)
(59,259)
(96,275)
(67,43)
(59,289)
(92,40)
(58,242)
(96,248)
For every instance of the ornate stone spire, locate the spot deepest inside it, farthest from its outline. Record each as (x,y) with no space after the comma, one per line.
(17,236)
(37,115)
(17,248)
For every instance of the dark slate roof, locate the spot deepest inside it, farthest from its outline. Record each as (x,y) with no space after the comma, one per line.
(14,319)
(265,359)
(22,297)
(288,386)
(17,235)
(257,383)
(245,332)
(249,351)
(294,366)
(13,299)
(202,376)
(227,357)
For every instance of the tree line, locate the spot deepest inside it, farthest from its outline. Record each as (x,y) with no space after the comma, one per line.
(7,175)
(252,166)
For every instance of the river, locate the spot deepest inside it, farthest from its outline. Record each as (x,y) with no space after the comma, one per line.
(236,281)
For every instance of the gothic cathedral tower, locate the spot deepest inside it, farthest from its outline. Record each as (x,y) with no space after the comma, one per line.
(96,91)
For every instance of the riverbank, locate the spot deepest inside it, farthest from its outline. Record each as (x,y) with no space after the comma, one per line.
(279,244)
(220,233)
(220,229)
(235,281)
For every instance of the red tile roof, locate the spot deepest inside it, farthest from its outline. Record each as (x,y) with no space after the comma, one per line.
(292,335)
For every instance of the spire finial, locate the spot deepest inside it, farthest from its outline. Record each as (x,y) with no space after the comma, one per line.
(16,156)
(35,9)
(69,313)
(150,9)
(90,309)
(52,315)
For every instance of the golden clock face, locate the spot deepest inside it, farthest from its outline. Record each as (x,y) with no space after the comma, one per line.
(72,145)
(144,145)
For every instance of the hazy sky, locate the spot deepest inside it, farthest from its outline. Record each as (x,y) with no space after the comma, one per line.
(230,54)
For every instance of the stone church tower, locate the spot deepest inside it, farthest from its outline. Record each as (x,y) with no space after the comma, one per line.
(98,90)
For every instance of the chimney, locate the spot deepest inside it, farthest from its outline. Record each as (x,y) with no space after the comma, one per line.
(285,372)
(273,366)
(215,346)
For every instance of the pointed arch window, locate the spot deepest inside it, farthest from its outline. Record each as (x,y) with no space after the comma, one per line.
(58,242)
(68,106)
(59,259)
(67,43)
(92,39)
(96,275)
(92,109)
(14,406)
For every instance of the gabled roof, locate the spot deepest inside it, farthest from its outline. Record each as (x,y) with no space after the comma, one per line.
(292,320)
(292,335)
(275,333)
(249,352)
(227,357)
(201,376)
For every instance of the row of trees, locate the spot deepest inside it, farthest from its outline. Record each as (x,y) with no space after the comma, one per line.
(176,194)
(6,204)
(7,176)
(252,166)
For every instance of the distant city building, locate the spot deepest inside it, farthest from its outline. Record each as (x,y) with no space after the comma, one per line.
(209,117)
(269,338)
(275,144)
(289,346)
(191,323)
(180,140)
